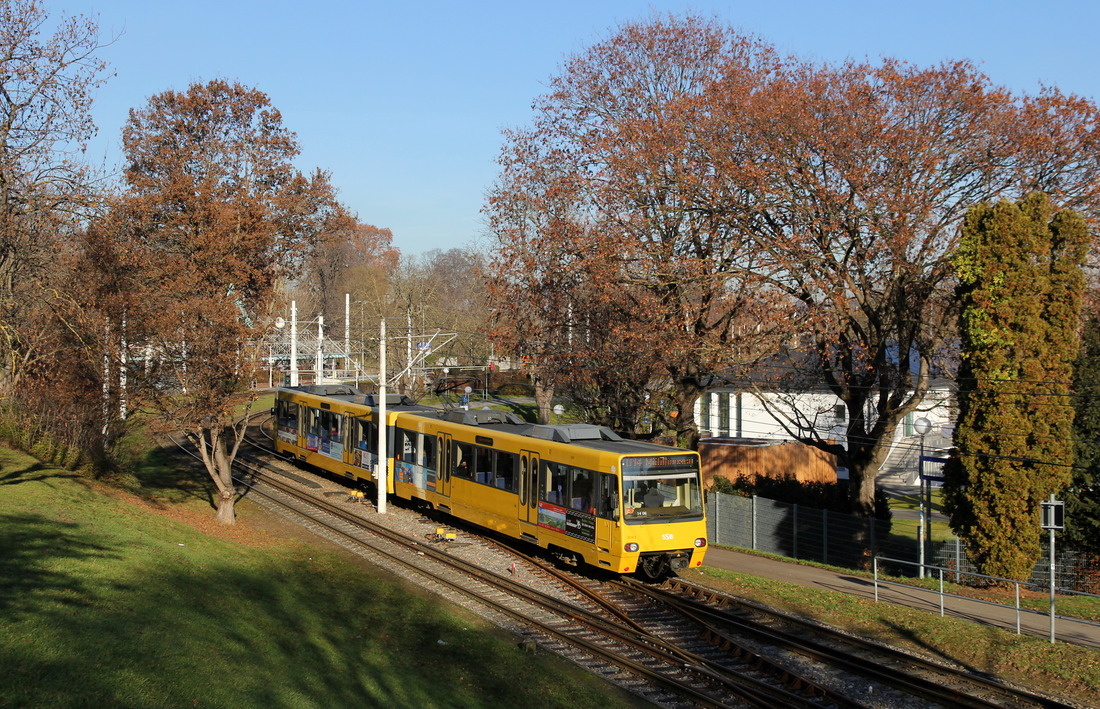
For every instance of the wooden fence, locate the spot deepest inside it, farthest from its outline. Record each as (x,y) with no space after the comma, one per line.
(736,457)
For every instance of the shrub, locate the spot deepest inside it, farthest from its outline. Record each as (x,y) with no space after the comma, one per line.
(515,389)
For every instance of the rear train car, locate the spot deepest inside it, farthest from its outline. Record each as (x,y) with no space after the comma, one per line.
(579,490)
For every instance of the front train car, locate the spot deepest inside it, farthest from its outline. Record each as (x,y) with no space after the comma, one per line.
(627,506)
(664,522)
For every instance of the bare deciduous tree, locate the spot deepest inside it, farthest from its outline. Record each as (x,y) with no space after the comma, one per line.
(47,84)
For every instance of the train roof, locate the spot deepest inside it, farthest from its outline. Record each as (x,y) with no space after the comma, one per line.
(351,395)
(580,434)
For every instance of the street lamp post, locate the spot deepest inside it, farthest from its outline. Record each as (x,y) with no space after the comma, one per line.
(922,427)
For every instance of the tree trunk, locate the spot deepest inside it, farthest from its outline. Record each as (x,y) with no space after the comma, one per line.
(226,514)
(226,491)
(687,430)
(544,397)
(211,444)
(862,475)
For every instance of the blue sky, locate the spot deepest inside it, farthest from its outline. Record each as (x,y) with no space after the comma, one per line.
(404,103)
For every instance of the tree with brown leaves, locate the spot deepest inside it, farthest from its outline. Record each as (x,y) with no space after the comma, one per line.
(863,176)
(609,186)
(737,194)
(215,213)
(345,258)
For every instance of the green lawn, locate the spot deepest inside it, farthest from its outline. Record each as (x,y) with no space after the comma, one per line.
(1064,670)
(907,528)
(112,600)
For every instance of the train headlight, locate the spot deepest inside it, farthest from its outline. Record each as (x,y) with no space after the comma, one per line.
(701,542)
(631,547)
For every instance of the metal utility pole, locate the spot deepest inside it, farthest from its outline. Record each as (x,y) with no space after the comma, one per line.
(293,343)
(122,369)
(1053,518)
(383,457)
(319,362)
(923,426)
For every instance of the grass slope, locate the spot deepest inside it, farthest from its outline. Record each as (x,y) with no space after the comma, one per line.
(107,599)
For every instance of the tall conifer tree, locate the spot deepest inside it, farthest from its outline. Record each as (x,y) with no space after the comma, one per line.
(1083,496)
(1020,290)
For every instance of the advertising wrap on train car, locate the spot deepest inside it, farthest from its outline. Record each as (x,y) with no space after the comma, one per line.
(570,522)
(412,474)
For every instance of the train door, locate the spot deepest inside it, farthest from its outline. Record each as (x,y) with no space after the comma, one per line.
(443,465)
(607,513)
(529,487)
(303,429)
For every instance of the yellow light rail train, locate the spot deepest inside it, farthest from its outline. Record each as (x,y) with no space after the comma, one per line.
(578,490)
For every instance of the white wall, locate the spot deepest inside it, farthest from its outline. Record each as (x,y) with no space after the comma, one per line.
(748,415)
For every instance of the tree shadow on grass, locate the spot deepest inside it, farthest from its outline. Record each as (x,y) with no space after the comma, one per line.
(32,471)
(526,411)
(168,476)
(34,548)
(139,620)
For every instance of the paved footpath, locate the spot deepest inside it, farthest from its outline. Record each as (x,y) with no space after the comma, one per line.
(1066,630)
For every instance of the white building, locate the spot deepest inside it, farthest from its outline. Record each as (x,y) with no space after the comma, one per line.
(753,413)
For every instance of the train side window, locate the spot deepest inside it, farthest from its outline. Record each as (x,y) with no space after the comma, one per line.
(427,451)
(544,481)
(580,489)
(607,496)
(557,484)
(288,415)
(464,460)
(368,436)
(326,425)
(505,469)
(483,468)
(523,480)
(406,445)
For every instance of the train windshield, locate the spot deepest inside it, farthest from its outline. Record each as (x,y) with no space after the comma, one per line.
(661,488)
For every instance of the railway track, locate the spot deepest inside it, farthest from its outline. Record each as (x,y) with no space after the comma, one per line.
(588,636)
(907,672)
(678,644)
(718,630)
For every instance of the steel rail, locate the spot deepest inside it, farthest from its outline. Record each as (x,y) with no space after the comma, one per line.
(797,682)
(748,689)
(700,601)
